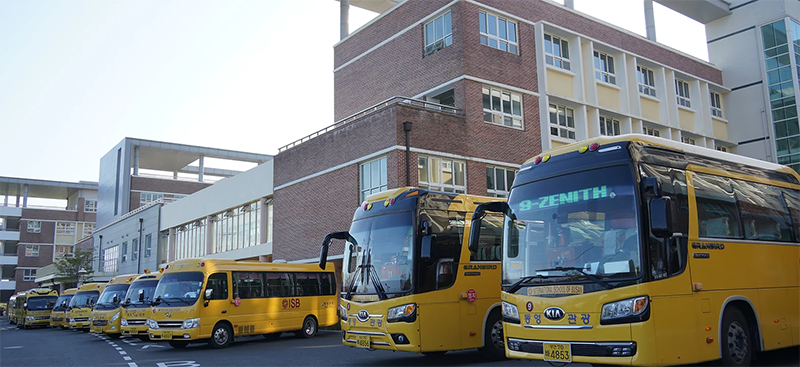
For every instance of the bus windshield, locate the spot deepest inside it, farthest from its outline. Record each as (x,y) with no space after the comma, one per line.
(62,302)
(147,287)
(575,227)
(106,301)
(383,253)
(40,303)
(81,299)
(179,289)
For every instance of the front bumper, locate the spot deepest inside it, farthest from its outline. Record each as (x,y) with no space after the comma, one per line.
(135,329)
(400,336)
(99,328)
(82,323)
(174,334)
(38,321)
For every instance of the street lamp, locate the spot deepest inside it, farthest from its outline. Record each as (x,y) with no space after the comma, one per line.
(81,273)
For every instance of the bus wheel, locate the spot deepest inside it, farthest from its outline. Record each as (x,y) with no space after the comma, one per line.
(493,342)
(309,328)
(736,341)
(178,344)
(221,336)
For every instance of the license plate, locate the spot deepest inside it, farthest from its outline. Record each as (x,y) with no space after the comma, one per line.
(558,352)
(362,341)
(134,332)
(166,335)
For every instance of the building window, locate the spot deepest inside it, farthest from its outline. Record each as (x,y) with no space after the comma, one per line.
(29,275)
(135,249)
(110,259)
(498,32)
(88,228)
(647,83)
(652,132)
(609,126)
(721,148)
(562,122)
(124,252)
(438,33)
(373,177)
(65,228)
(90,206)
(716,105)
(499,181)
(682,90)
(442,174)
(31,250)
(502,108)
(147,245)
(34,226)
(62,251)
(687,140)
(149,197)
(556,52)
(780,86)
(604,68)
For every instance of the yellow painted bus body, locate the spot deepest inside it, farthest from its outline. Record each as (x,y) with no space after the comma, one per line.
(135,312)
(33,307)
(58,316)
(11,310)
(683,323)
(107,314)
(188,316)
(456,316)
(79,311)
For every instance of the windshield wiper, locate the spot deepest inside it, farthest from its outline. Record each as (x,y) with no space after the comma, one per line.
(582,271)
(159,300)
(516,286)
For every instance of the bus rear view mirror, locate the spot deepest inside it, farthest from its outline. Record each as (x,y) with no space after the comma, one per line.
(115,299)
(141,295)
(426,250)
(323,251)
(208,294)
(661,217)
(480,211)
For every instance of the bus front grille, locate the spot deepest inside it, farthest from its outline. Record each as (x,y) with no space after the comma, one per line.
(133,322)
(170,324)
(99,322)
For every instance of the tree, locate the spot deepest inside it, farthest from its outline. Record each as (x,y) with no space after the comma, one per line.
(67,268)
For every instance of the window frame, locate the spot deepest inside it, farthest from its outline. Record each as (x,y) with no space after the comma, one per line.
(682,94)
(646,79)
(31,250)
(688,140)
(66,228)
(70,252)
(445,40)
(652,131)
(90,206)
(124,252)
(90,227)
(604,67)
(716,104)
(557,124)
(31,228)
(608,122)
(551,58)
(28,278)
(148,240)
(491,185)
(383,179)
(486,38)
(430,184)
(517,121)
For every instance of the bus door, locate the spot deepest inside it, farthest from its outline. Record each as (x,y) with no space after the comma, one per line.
(216,303)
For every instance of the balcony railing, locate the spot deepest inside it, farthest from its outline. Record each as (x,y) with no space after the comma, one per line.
(380,106)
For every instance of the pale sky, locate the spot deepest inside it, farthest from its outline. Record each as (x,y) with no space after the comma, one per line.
(77,76)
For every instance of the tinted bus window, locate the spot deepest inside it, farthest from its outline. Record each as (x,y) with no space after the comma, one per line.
(328,282)
(793,202)
(248,285)
(279,285)
(716,207)
(489,243)
(307,284)
(764,215)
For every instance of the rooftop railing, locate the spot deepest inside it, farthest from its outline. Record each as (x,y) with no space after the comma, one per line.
(380,106)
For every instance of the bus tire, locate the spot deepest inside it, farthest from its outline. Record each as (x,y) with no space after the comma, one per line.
(309,328)
(222,336)
(493,340)
(736,340)
(178,344)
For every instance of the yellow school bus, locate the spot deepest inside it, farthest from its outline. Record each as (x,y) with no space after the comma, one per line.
(107,311)
(219,300)
(11,310)
(637,250)
(409,282)
(58,316)
(33,307)
(136,307)
(79,311)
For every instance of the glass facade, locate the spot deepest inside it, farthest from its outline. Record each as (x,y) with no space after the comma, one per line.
(780,85)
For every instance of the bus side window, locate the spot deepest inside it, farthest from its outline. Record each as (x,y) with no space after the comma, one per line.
(673,185)
(717,214)
(792,198)
(328,284)
(307,284)
(219,284)
(489,243)
(444,274)
(764,212)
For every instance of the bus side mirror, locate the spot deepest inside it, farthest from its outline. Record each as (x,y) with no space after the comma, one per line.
(207,294)
(477,217)
(651,187)
(25,305)
(661,217)
(323,251)
(141,295)
(115,299)
(426,250)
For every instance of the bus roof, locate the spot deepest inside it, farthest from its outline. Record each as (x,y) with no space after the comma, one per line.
(669,144)
(394,193)
(123,279)
(92,287)
(150,276)
(39,292)
(70,291)
(209,265)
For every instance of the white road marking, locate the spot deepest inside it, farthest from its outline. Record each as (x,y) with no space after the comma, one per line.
(122,352)
(15,347)
(118,348)
(132,364)
(126,358)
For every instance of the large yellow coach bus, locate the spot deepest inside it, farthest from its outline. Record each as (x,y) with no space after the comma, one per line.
(136,307)
(58,316)
(636,250)
(79,311)
(33,307)
(107,312)
(409,281)
(219,300)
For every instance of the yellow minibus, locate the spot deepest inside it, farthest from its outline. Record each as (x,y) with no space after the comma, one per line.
(219,300)
(136,307)
(79,311)
(107,312)
(11,310)
(58,316)
(33,307)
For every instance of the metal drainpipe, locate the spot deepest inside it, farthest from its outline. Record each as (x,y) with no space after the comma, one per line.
(139,249)
(407,129)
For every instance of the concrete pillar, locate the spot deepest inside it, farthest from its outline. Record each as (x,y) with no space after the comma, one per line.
(263,224)
(25,196)
(344,18)
(202,167)
(19,188)
(569,4)
(649,20)
(171,245)
(175,175)
(209,235)
(5,201)
(136,160)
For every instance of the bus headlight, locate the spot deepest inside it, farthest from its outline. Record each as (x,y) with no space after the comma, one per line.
(407,313)
(114,318)
(510,313)
(124,322)
(625,311)
(342,312)
(30,318)
(191,324)
(152,324)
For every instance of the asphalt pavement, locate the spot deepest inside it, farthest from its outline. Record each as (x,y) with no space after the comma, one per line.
(55,347)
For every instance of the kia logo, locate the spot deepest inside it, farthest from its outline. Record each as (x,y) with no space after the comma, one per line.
(553,313)
(363,316)
(168,315)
